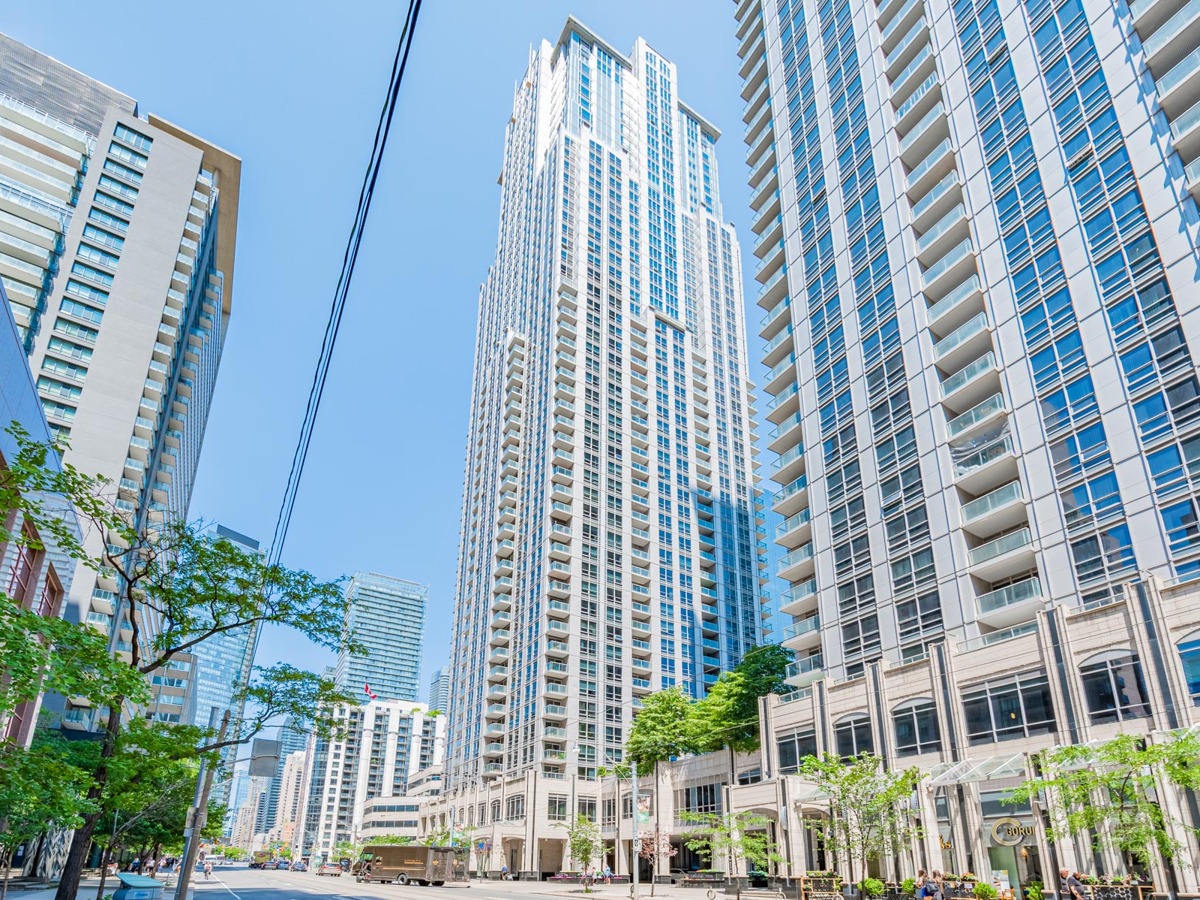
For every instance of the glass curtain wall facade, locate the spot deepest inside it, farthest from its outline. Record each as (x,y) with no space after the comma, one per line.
(609,540)
(988,252)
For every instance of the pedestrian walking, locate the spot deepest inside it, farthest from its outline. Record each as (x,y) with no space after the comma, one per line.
(607,874)
(207,870)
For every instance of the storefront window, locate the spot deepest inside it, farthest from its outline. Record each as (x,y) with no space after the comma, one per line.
(1114,688)
(853,736)
(916,728)
(1007,710)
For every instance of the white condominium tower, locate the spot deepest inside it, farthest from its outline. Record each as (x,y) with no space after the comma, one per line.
(983,315)
(609,544)
(117,235)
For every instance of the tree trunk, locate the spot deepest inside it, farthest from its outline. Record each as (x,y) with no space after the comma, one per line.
(7,857)
(105,862)
(81,842)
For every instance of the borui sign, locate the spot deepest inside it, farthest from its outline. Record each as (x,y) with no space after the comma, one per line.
(1009,832)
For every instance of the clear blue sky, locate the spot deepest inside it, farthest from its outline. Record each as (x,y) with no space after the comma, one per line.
(294,89)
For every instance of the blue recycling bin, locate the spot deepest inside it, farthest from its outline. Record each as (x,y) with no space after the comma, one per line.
(138,887)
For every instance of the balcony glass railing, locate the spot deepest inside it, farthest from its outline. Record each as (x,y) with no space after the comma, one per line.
(770,284)
(782,366)
(982,457)
(960,335)
(1015,540)
(1030,589)
(937,111)
(981,412)
(767,162)
(1179,73)
(804,626)
(918,93)
(783,396)
(806,665)
(784,427)
(901,48)
(795,487)
(801,591)
(935,156)
(775,312)
(996,637)
(969,373)
(955,297)
(1171,28)
(799,555)
(893,26)
(777,341)
(941,227)
(788,458)
(792,522)
(989,503)
(1186,122)
(952,258)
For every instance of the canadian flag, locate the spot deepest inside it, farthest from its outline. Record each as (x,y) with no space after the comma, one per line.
(367,691)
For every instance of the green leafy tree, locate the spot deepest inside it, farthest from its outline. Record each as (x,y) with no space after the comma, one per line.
(662,729)
(723,838)
(41,789)
(867,815)
(170,573)
(1128,770)
(583,841)
(347,850)
(728,716)
(389,840)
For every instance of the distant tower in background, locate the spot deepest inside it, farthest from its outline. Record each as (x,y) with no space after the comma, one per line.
(387,617)
(439,690)
(221,666)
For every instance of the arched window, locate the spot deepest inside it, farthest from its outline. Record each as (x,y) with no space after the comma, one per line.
(916,728)
(852,735)
(1114,687)
(1189,654)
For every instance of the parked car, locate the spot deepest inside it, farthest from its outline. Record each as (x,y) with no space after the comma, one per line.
(330,868)
(300,866)
(283,864)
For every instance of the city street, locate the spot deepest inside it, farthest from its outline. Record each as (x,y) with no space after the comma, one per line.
(248,884)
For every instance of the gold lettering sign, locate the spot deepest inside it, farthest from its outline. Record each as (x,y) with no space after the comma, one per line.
(946,845)
(1009,832)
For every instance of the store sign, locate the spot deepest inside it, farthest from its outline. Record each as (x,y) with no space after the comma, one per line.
(1009,832)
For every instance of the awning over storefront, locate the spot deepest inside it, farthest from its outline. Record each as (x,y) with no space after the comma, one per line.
(970,770)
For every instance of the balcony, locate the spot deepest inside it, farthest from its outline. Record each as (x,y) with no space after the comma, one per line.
(950,228)
(781,375)
(889,36)
(788,465)
(797,564)
(558,649)
(789,499)
(921,98)
(502,585)
(493,749)
(800,599)
(795,529)
(956,308)
(784,402)
(501,602)
(1010,605)
(950,270)
(1167,46)
(1179,89)
(970,384)
(922,137)
(805,670)
(500,637)
(1000,510)
(1003,557)
(555,711)
(803,634)
(985,462)
(498,673)
(763,166)
(967,342)
(935,166)
(558,609)
(774,290)
(785,434)
(977,416)
(497,692)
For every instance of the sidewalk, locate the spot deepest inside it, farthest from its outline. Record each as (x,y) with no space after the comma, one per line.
(87,889)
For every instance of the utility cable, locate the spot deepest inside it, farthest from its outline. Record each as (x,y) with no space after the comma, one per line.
(349,258)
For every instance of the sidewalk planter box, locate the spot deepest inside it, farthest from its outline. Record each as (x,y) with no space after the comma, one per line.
(702,880)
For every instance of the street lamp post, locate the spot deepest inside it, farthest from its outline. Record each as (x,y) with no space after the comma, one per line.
(636,844)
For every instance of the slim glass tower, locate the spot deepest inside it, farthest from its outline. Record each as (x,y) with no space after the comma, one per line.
(609,544)
(979,257)
(387,616)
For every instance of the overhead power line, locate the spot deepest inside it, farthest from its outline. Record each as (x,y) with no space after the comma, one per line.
(382,129)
